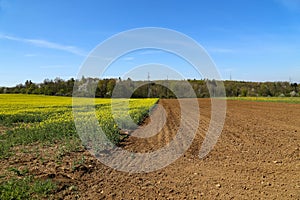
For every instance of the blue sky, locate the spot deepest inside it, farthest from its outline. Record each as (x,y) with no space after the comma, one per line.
(256,40)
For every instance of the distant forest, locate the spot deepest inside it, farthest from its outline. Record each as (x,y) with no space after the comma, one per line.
(105,88)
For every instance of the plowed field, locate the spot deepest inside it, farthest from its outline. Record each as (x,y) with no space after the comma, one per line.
(257,156)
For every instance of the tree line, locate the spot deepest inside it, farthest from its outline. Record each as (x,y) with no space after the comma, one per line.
(116,87)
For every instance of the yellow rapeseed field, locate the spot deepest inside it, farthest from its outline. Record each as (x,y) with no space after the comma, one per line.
(36,118)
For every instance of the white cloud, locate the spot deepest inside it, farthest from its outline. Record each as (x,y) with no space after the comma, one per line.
(46,44)
(150,51)
(220,50)
(30,55)
(128,58)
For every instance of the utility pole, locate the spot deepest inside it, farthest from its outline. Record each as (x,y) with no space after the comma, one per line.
(148,77)
(167,88)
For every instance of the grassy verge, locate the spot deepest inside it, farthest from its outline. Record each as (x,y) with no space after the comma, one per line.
(294,100)
(24,186)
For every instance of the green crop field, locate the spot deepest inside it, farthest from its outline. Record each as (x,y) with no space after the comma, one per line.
(46,120)
(268,99)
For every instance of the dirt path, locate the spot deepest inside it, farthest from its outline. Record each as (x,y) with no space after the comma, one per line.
(257,157)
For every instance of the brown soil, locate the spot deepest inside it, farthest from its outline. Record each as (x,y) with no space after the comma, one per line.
(257,157)
(3,129)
